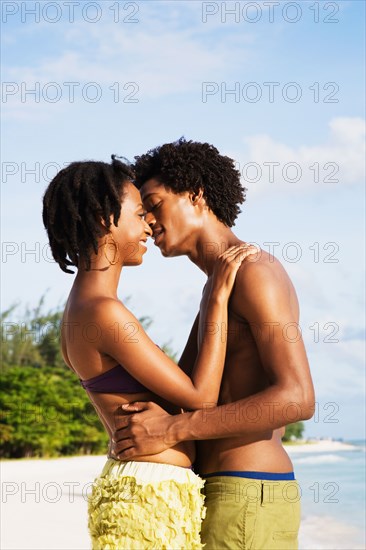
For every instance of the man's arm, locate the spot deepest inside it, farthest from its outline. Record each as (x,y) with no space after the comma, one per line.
(265,297)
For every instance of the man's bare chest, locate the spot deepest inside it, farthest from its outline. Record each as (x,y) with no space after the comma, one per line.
(235,332)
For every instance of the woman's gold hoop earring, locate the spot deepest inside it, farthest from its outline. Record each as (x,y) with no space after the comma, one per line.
(116,250)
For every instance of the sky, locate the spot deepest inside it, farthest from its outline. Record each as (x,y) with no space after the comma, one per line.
(277,86)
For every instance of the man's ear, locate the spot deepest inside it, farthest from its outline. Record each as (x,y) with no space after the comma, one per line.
(196,197)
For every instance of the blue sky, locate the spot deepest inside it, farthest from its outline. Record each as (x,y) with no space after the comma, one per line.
(294,122)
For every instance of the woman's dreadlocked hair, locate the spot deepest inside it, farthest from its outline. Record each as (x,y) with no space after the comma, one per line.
(76,201)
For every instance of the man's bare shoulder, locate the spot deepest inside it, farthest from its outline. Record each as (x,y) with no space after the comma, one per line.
(263,266)
(262,278)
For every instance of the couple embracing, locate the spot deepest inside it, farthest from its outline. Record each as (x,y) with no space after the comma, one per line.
(195,456)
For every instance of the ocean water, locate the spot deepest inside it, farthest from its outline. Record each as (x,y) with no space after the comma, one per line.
(333,498)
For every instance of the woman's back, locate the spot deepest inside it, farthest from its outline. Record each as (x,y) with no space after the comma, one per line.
(82,349)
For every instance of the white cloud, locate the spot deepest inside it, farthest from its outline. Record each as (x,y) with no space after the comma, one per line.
(338,368)
(162,54)
(348,130)
(339,160)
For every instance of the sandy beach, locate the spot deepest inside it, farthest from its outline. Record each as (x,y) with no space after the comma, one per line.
(319,445)
(44,502)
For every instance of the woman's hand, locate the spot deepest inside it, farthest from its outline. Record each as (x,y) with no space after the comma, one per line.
(226,267)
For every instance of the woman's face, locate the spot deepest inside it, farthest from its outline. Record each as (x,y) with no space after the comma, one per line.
(132,230)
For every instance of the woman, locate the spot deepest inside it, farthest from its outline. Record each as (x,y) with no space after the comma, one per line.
(95,221)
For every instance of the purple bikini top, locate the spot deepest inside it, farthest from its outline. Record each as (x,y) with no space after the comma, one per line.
(114,380)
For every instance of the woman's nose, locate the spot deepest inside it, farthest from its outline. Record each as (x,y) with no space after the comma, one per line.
(148,228)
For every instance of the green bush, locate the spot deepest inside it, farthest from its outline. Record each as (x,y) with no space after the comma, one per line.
(294,431)
(44,410)
(46,413)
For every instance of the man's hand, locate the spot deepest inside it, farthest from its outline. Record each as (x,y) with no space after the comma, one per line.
(142,430)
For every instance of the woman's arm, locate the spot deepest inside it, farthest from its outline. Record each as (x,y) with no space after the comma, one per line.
(124,339)
(190,352)
(265,297)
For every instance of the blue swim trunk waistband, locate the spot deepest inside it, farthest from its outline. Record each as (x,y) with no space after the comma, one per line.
(254,475)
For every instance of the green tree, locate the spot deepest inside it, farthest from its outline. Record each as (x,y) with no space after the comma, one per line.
(44,410)
(294,431)
(31,338)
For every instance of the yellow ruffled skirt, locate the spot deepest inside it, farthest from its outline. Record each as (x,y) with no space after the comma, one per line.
(145,505)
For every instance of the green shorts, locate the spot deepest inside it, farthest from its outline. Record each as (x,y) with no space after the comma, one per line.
(247,513)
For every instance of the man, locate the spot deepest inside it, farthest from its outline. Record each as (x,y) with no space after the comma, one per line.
(191,194)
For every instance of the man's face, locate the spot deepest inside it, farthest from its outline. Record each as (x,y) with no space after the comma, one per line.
(172,218)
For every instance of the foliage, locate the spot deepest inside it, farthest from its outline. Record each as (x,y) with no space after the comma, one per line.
(294,431)
(33,340)
(46,413)
(44,410)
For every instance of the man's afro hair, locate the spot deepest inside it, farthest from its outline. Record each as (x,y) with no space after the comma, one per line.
(189,166)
